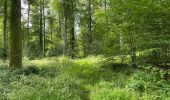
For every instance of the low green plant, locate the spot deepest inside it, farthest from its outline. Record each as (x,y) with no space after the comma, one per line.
(151,81)
(91,78)
(107,91)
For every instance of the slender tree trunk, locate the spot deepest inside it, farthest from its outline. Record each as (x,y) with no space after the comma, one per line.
(90,23)
(121,47)
(29,8)
(133,51)
(16,35)
(72,34)
(51,29)
(105,4)
(5,31)
(88,42)
(44,28)
(51,23)
(28,29)
(41,29)
(65,36)
(65,27)
(51,34)
(60,24)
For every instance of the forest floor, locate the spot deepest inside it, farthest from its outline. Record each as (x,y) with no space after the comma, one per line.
(91,78)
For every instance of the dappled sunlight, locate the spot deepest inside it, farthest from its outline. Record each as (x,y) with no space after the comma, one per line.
(42,62)
(90,60)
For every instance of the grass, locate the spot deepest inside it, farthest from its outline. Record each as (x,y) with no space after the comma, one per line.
(91,78)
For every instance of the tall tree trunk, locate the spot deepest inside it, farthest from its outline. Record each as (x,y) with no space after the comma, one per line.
(72,34)
(65,26)
(28,28)
(41,29)
(65,36)
(16,35)
(60,24)
(121,47)
(29,8)
(89,34)
(90,22)
(51,30)
(44,28)
(5,31)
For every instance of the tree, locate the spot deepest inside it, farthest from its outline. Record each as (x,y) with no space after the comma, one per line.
(72,28)
(41,28)
(65,7)
(28,24)
(16,35)
(90,22)
(5,30)
(44,25)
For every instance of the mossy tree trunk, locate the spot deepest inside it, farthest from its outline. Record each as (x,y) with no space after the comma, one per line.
(16,35)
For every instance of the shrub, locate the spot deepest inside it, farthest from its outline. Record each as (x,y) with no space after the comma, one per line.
(150,81)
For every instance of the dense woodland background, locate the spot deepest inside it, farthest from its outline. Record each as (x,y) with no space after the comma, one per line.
(85,49)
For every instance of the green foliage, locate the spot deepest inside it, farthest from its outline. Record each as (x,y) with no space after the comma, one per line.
(107,91)
(91,78)
(153,56)
(150,81)
(123,32)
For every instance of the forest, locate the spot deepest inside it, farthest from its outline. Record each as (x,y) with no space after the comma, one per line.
(84,49)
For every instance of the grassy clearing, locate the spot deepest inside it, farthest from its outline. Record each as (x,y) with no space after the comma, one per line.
(92,78)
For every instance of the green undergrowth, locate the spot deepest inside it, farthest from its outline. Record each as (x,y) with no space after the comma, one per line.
(91,78)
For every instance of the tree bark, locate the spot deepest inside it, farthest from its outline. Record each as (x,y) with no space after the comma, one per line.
(44,28)
(65,26)
(90,23)
(5,31)
(15,60)
(72,32)
(41,29)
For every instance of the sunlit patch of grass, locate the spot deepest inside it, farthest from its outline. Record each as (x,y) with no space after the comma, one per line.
(43,62)
(90,61)
(107,91)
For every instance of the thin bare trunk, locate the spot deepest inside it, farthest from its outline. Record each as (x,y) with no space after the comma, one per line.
(72,34)
(41,29)
(5,30)
(90,23)
(44,28)
(65,6)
